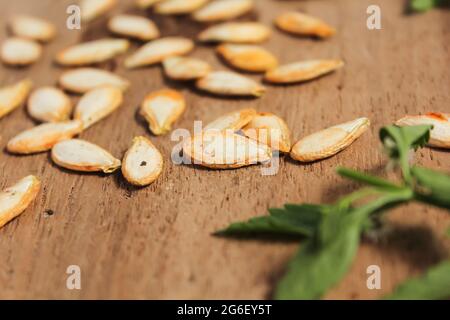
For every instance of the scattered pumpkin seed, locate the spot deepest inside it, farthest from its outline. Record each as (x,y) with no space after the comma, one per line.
(303,24)
(133,26)
(20,52)
(236,32)
(220,10)
(13,96)
(233,121)
(230,83)
(145,4)
(248,57)
(82,80)
(92,9)
(185,68)
(49,104)
(32,28)
(168,7)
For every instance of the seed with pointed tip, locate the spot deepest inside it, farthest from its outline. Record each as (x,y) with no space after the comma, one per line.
(15,199)
(82,80)
(234,121)
(167,7)
(43,137)
(32,28)
(145,4)
(49,104)
(221,10)
(142,163)
(133,26)
(20,52)
(97,104)
(248,57)
(92,52)
(225,150)
(161,109)
(236,32)
(302,24)
(328,142)
(80,155)
(440,134)
(13,96)
(302,71)
(158,50)
(185,68)
(92,9)
(269,129)
(230,84)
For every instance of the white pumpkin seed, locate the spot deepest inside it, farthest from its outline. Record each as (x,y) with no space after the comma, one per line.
(92,52)
(20,52)
(161,109)
(15,199)
(158,50)
(43,137)
(145,4)
(302,71)
(230,83)
(142,163)
(133,26)
(80,155)
(185,68)
(233,121)
(328,142)
(248,57)
(271,130)
(167,7)
(221,10)
(302,24)
(97,104)
(83,80)
(49,104)
(32,28)
(13,96)
(236,32)
(440,134)
(225,150)
(92,9)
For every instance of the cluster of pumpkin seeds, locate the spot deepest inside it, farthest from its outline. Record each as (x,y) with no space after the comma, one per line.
(236,139)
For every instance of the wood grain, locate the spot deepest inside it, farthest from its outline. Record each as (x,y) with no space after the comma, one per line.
(156,243)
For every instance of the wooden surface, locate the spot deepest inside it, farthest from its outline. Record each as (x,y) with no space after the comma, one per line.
(155,242)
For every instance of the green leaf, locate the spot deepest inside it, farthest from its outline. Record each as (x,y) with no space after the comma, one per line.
(448,232)
(367,179)
(434,285)
(434,187)
(398,141)
(423,5)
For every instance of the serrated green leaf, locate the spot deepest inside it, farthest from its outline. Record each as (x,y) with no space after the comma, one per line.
(433,186)
(422,5)
(367,179)
(435,284)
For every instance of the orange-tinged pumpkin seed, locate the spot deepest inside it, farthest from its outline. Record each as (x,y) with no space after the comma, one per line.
(233,121)
(303,24)
(185,68)
(248,57)
(236,32)
(32,28)
(20,51)
(220,10)
(133,26)
(12,96)
(168,7)
(92,9)
(49,104)
(82,80)
(230,84)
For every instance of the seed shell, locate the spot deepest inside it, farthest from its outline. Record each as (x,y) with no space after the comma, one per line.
(168,7)
(328,142)
(185,68)
(142,163)
(236,32)
(133,26)
(248,57)
(158,50)
(80,155)
(221,10)
(13,96)
(145,4)
(20,52)
(92,9)
(82,80)
(303,24)
(97,104)
(49,104)
(233,121)
(230,84)
(32,28)
(15,199)
(43,137)
(161,109)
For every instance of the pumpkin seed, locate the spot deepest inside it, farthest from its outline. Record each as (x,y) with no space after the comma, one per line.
(230,83)
(97,104)
(20,52)
(248,57)
(80,155)
(161,109)
(49,104)
(15,199)
(220,10)
(167,7)
(92,9)
(158,50)
(13,96)
(271,130)
(133,26)
(43,137)
(32,28)
(142,163)
(185,68)
(302,71)
(83,80)
(233,121)
(236,32)
(92,52)
(328,142)
(145,4)
(440,134)
(225,150)
(303,24)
